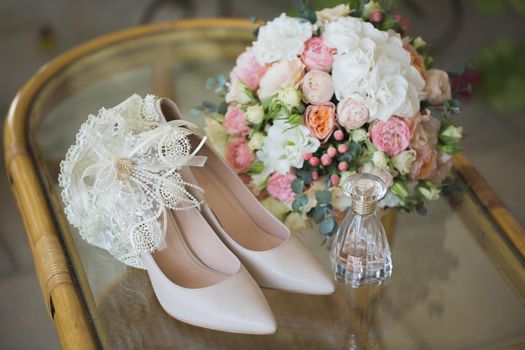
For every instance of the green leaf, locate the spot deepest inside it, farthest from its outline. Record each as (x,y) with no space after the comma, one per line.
(323,197)
(297,185)
(327,226)
(257,167)
(300,200)
(319,213)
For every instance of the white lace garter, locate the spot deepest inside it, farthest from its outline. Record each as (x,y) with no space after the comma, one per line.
(122,176)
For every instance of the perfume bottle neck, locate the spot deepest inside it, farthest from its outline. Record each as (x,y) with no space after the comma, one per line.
(363,207)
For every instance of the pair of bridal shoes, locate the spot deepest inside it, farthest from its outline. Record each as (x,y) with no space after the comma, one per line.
(204,239)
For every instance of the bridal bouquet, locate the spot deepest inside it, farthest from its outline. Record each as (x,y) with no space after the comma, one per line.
(319,97)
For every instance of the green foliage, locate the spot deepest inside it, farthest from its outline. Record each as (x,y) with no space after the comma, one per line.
(502,66)
(498,7)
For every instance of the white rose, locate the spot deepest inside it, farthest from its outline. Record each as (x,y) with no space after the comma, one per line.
(216,134)
(359,135)
(238,92)
(333,13)
(256,141)
(255,114)
(289,97)
(380,160)
(281,39)
(285,146)
(297,222)
(259,181)
(403,161)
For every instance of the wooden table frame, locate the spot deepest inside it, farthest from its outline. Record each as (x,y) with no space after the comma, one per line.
(57,281)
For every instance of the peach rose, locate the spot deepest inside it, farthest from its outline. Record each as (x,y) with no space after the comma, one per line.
(320,120)
(444,165)
(425,164)
(416,60)
(437,87)
(317,87)
(234,122)
(248,70)
(424,131)
(239,155)
(280,74)
(351,113)
(391,136)
(317,55)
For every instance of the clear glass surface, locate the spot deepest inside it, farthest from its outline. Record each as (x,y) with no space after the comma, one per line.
(458,283)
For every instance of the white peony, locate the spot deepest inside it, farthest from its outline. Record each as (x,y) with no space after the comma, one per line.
(282,38)
(373,65)
(343,34)
(285,145)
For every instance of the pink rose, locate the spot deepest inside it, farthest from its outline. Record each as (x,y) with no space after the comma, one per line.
(239,155)
(444,165)
(391,136)
(320,119)
(234,122)
(317,55)
(351,113)
(424,131)
(317,87)
(248,70)
(425,164)
(280,187)
(281,74)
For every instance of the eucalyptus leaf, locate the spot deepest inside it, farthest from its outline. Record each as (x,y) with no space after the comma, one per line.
(297,185)
(323,197)
(327,226)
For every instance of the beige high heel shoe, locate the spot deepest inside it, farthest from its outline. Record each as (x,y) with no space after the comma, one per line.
(127,187)
(273,256)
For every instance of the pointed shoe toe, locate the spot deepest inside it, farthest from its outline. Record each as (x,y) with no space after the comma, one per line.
(235,305)
(290,267)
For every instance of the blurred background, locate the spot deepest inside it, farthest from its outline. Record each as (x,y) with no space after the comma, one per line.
(489,35)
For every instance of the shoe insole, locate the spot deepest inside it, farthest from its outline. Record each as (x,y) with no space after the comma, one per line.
(235,219)
(178,260)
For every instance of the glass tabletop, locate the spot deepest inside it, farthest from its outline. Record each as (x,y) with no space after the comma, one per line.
(457,282)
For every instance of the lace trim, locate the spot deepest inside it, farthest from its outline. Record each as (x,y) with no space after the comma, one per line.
(121,177)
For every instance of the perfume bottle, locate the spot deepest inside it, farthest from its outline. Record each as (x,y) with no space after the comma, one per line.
(360,253)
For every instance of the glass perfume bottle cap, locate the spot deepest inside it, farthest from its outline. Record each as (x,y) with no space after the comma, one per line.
(365,190)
